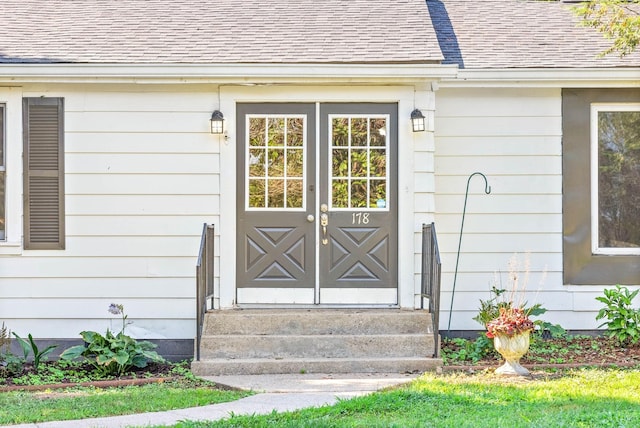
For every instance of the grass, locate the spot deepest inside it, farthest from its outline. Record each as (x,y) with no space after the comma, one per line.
(78,403)
(579,398)
(587,397)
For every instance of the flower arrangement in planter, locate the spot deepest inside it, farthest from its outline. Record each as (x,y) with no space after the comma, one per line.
(511,321)
(510,334)
(506,318)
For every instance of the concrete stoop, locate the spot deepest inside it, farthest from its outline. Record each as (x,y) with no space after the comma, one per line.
(269,341)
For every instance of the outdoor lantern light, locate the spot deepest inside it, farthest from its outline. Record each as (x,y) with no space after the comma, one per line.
(417,120)
(217,122)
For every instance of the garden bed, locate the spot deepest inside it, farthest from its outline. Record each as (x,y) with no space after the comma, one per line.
(564,352)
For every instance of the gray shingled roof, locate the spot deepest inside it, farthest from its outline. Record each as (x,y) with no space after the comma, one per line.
(478,34)
(216,31)
(474,34)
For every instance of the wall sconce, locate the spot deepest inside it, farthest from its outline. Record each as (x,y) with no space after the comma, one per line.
(217,122)
(417,121)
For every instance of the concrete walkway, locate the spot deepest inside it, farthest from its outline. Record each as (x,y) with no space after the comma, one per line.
(281,393)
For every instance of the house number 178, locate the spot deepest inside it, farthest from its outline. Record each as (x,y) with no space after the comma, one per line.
(360,218)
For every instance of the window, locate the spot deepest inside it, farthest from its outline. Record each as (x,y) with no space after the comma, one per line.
(275,161)
(43,129)
(3,232)
(359,161)
(615,178)
(601,186)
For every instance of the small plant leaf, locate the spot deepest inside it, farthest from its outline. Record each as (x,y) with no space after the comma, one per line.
(72,353)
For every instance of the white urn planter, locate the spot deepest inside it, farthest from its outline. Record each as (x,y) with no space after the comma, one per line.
(512,348)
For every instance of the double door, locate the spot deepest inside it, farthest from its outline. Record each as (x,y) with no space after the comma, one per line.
(316,204)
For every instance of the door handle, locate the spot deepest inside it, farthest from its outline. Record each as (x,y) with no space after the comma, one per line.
(324,222)
(310,218)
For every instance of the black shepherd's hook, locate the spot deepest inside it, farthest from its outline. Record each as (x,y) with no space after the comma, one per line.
(487,190)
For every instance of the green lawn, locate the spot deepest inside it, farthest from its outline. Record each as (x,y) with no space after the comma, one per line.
(79,403)
(580,398)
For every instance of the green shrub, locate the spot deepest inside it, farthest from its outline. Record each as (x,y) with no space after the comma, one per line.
(112,354)
(623,321)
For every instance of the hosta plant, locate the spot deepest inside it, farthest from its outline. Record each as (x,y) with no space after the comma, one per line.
(623,321)
(113,354)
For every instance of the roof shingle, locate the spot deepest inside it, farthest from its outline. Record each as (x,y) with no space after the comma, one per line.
(222,31)
(477,34)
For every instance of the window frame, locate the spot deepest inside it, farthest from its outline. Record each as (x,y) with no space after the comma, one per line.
(580,265)
(596,108)
(11,98)
(3,169)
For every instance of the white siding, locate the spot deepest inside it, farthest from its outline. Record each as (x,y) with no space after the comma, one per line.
(142,176)
(513,136)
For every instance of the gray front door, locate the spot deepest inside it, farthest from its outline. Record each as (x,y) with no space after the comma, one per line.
(317,221)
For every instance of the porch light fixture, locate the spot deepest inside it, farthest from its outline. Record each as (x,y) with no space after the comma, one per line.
(217,122)
(417,121)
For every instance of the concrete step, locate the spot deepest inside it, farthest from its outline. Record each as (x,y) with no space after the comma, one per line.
(310,346)
(317,321)
(273,341)
(310,365)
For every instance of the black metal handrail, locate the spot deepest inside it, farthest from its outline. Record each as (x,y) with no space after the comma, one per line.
(204,280)
(430,279)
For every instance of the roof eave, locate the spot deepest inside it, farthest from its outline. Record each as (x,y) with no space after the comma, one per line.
(549,77)
(224,73)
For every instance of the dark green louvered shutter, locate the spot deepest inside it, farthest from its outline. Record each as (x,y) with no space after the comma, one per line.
(43,173)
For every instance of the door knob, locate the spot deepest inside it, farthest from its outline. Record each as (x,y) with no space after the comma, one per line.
(310,218)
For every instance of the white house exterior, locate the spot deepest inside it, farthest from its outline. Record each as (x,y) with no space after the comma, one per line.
(142,172)
(502,115)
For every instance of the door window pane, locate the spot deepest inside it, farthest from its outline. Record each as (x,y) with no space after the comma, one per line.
(276,165)
(359,161)
(256,162)
(276,131)
(340,131)
(295,132)
(257,193)
(378,163)
(617,208)
(359,132)
(359,194)
(276,162)
(276,193)
(295,164)
(294,193)
(257,131)
(340,196)
(340,161)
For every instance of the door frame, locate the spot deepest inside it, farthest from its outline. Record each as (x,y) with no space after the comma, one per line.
(409,220)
